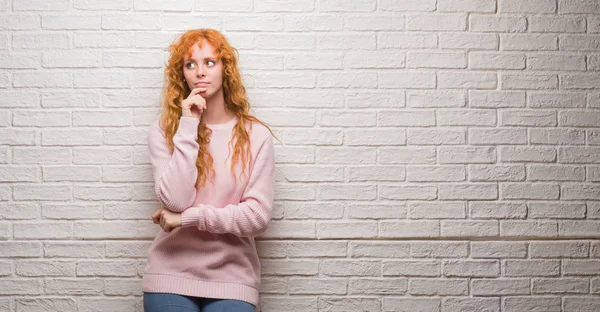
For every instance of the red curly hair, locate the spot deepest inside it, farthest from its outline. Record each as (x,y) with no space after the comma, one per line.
(176,90)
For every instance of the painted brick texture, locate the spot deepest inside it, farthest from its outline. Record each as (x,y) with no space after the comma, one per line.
(437,156)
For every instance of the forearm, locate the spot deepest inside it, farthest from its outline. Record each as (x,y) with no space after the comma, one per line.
(176,174)
(245,219)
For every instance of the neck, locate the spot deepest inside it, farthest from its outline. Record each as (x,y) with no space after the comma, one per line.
(216,111)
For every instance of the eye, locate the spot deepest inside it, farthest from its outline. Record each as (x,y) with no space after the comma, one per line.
(189,65)
(211,61)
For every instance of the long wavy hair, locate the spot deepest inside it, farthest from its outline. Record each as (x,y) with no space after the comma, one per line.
(176,90)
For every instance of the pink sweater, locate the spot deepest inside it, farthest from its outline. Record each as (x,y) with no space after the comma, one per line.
(213,254)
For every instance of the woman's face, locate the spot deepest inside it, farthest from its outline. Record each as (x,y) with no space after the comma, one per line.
(203,70)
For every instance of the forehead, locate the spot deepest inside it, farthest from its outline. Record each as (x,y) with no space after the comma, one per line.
(197,52)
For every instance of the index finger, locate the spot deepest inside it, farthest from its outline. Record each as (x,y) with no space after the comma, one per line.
(197,90)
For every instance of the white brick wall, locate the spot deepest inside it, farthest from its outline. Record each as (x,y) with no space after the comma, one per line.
(438,155)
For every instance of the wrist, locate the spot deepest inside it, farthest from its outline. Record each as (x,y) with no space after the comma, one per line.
(190,217)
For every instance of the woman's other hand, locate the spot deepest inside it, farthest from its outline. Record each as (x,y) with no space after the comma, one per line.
(169,220)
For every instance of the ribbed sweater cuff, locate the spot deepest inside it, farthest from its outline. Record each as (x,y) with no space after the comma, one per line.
(188,125)
(193,216)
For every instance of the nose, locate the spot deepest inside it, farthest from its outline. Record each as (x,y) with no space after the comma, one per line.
(200,71)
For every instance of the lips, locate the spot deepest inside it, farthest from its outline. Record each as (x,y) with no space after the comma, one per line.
(201,83)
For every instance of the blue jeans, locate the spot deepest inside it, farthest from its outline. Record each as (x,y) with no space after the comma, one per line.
(163,302)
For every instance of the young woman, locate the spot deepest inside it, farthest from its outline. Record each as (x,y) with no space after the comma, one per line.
(213,169)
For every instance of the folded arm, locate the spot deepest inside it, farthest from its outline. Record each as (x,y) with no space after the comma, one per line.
(175,172)
(251,216)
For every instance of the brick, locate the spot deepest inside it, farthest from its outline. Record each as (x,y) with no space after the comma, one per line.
(405,155)
(556,100)
(71,22)
(65,286)
(559,286)
(495,60)
(379,250)
(39,41)
(515,228)
(562,24)
(344,42)
(349,229)
(19,174)
(394,192)
(578,228)
(436,211)
(556,62)
(497,23)
(525,154)
(40,268)
(377,59)
(103,40)
(350,268)
(578,6)
(313,22)
(498,249)
(436,22)
(413,228)
(496,99)
(388,40)
(374,22)
(21,286)
(467,117)
(439,287)
(439,249)
(463,155)
(46,304)
(505,286)
(528,81)
(20,22)
(471,268)
(19,211)
(527,268)
(472,191)
(376,173)
(20,249)
(320,286)
(436,136)
(407,5)
(572,249)
(573,304)
(471,304)
(517,6)
(344,6)
(407,79)
(546,303)
(43,80)
(436,60)
(459,228)
(113,5)
(468,80)
(19,60)
(468,41)
(553,210)
(411,268)
(496,173)
(406,304)
(300,210)
(73,250)
(486,6)
(579,43)
(372,286)
(39,5)
(294,6)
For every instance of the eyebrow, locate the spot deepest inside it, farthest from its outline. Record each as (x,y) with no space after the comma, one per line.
(206,58)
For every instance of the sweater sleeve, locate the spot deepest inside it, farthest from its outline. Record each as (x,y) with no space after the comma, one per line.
(251,216)
(175,173)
